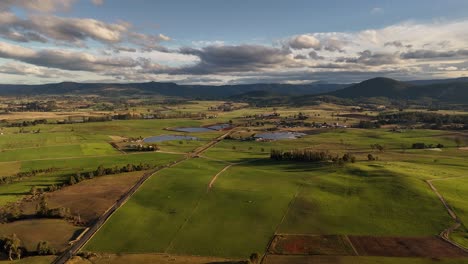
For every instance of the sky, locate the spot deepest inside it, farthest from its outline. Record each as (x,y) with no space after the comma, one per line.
(217,42)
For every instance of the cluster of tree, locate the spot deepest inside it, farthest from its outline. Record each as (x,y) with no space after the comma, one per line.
(141,147)
(436,120)
(43,210)
(23,175)
(310,156)
(102,171)
(420,145)
(27,123)
(34,106)
(43,249)
(10,212)
(378,147)
(11,246)
(368,124)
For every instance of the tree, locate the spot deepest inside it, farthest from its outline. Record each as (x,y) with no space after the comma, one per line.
(254,258)
(11,245)
(43,207)
(43,248)
(72,180)
(33,191)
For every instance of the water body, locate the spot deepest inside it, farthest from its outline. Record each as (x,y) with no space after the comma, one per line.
(167,138)
(280,135)
(202,129)
(220,126)
(192,129)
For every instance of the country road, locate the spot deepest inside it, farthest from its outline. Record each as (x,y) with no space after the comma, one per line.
(73,249)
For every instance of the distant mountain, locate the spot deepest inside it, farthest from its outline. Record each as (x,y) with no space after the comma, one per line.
(451,92)
(164,89)
(438,81)
(376,87)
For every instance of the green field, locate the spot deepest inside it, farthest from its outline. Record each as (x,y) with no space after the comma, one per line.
(177,212)
(454,191)
(161,207)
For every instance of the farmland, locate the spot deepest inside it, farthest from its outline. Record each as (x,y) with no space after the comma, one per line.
(221,197)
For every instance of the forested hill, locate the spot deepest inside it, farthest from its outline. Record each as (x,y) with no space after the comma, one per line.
(164,89)
(450,91)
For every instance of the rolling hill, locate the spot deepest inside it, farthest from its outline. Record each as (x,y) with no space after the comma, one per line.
(164,89)
(449,92)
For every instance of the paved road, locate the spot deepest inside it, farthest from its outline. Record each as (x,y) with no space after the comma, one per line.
(73,249)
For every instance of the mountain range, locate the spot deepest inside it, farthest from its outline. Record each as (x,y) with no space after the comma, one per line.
(446,90)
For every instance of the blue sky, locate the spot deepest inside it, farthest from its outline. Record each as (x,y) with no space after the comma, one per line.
(223,41)
(246,20)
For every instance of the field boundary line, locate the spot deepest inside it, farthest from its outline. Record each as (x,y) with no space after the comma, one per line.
(351,244)
(195,208)
(275,232)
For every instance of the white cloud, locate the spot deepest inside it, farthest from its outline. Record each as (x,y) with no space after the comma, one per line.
(304,42)
(377,11)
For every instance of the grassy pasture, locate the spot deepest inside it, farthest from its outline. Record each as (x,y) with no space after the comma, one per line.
(455,192)
(388,204)
(153,216)
(66,166)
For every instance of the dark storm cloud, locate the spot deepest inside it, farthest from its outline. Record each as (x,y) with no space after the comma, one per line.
(431,54)
(217,59)
(369,58)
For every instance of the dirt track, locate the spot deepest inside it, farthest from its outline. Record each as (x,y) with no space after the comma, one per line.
(445,235)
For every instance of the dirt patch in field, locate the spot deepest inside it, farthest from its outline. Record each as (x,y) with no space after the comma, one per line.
(151,258)
(311,245)
(463,148)
(57,232)
(431,247)
(91,198)
(336,245)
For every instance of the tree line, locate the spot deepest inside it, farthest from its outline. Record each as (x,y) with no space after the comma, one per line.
(310,156)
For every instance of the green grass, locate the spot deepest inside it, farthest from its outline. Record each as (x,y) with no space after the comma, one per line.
(67,166)
(154,214)
(363,200)
(455,192)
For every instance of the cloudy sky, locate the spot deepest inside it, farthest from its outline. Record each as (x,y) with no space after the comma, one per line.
(231,41)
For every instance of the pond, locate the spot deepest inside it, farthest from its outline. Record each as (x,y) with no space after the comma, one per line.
(163,138)
(280,135)
(220,127)
(192,129)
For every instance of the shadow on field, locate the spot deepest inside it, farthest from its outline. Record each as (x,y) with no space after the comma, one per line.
(287,166)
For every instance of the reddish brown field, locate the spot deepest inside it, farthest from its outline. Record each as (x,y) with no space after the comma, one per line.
(90,198)
(432,247)
(311,245)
